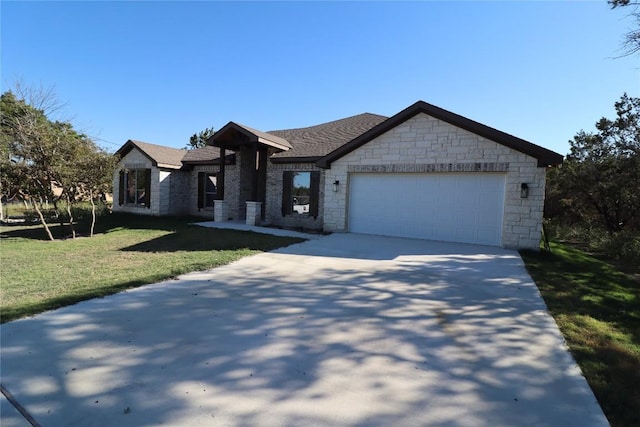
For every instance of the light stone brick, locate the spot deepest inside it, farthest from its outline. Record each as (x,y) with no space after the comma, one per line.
(424,140)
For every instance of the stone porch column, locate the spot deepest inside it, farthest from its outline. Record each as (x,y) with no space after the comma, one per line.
(254,210)
(220,210)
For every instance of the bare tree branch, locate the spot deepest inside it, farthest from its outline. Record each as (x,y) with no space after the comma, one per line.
(631,43)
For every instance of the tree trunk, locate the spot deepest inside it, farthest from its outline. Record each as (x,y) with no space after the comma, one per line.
(93,213)
(1,209)
(44,223)
(57,211)
(73,230)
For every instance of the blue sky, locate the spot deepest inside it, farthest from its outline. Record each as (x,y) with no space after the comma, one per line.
(161,71)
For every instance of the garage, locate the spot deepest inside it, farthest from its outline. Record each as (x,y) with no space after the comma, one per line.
(455,207)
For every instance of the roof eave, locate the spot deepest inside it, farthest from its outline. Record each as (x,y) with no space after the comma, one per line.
(307,159)
(274,144)
(230,159)
(168,166)
(279,143)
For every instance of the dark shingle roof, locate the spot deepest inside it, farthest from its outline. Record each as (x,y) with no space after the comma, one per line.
(327,142)
(202,155)
(319,140)
(160,155)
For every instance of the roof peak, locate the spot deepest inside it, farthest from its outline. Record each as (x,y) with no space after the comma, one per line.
(160,155)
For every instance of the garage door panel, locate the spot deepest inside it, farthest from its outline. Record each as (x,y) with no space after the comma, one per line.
(453,207)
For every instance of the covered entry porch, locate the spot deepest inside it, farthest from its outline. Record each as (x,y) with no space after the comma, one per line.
(253,149)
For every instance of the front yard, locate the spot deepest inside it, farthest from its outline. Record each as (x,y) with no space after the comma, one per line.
(129,251)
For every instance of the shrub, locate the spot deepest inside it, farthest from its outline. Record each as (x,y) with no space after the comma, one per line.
(623,246)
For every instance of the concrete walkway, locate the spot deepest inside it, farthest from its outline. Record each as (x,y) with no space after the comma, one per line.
(345,330)
(236,225)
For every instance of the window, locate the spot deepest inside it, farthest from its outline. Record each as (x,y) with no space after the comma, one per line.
(300,193)
(135,186)
(207,189)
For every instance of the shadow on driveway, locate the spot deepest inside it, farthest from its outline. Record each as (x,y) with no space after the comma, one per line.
(344,330)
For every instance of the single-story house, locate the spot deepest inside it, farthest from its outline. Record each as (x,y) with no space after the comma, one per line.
(424,173)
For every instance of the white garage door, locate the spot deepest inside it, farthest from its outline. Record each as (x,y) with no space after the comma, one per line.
(465,207)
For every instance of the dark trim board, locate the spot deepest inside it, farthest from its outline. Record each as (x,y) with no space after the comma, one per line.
(295,159)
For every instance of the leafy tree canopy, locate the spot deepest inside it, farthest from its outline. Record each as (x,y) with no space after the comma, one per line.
(39,154)
(199,140)
(600,180)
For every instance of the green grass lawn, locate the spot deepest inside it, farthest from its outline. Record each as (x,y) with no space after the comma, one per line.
(128,251)
(597,308)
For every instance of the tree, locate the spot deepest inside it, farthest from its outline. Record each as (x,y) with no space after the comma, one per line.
(95,172)
(632,38)
(39,154)
(199,140)
(600,180)
(31,142)
(82,172)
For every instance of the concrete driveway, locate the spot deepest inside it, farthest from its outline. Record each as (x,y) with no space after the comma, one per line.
(344,330)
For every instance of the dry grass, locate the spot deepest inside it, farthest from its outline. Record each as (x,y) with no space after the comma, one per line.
(39,275)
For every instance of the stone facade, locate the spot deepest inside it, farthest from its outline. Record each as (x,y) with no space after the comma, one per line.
(424,144)
(136,160)
(193,193)
(421,145)
(232,189)
(273,211)
(170,188)
(176,184)
(254,212)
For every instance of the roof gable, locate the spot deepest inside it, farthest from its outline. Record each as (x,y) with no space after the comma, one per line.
(231,129)
(545,157)
(160,156)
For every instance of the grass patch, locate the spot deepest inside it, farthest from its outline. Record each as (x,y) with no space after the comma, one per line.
(129,251)
(597,308)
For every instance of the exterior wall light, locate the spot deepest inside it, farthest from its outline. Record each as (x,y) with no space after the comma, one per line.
(524,190)
(336,184)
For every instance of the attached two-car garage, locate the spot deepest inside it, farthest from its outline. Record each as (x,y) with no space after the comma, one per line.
(456,207)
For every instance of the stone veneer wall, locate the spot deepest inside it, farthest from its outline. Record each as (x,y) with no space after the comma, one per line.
(193,191)
(273,210)
(232,189)
(136,160)
(246,166)
(169,187)
(174,190)
(427,145)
